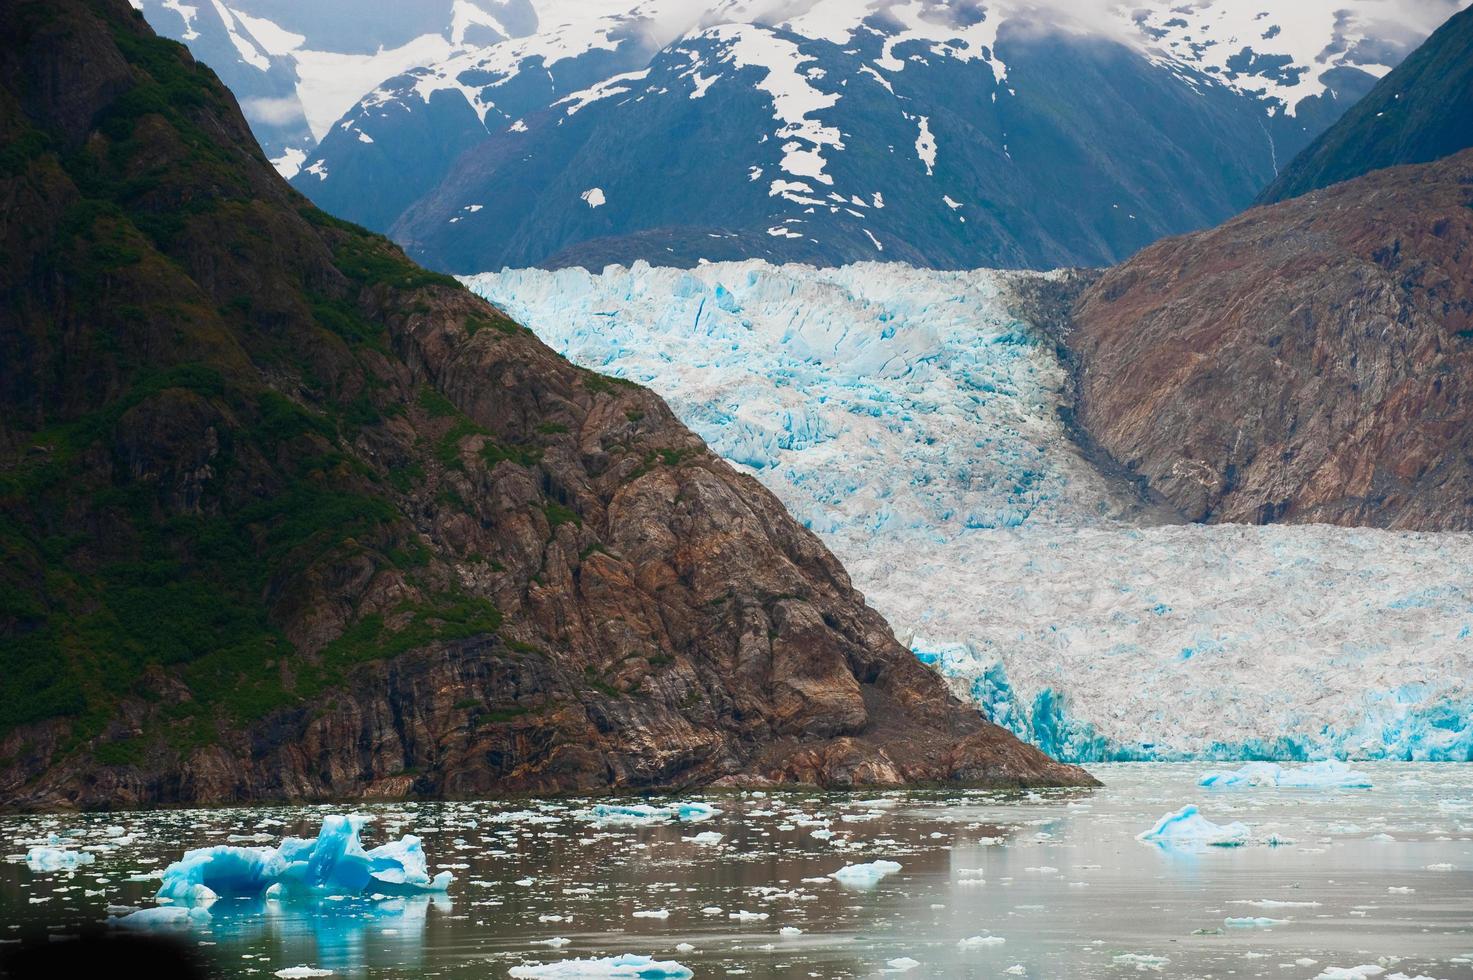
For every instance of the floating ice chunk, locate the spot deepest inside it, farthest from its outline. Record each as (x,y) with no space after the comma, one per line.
(901,964)
(43,858)
(164,917)
(556,942)
(302,973)
(1251,922)
(1142,961)
(626,967)
(1188,827)
(704,837)
(1364,972)
(1331,774)
(1016,970)
(652,914)
(744,916)
(864,875)
(645,813)
(684,948)
(334,862)
(973,942)
(1273,903)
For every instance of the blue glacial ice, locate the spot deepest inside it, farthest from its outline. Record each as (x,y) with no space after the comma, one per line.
(688,811)
(910,419)
(334,862)
(164,917)
(626,967)
(1329,774)
(43,858)
(1188,828)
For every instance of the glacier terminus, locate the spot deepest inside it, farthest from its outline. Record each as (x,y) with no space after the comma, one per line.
(910,418)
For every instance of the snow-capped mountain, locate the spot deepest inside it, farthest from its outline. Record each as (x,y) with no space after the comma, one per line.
(993,133)
(297,67)
(910,418)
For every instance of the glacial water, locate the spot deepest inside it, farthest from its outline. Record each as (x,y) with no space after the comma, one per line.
(1043,885)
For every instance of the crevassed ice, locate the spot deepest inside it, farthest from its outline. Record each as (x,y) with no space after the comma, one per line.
(910,419)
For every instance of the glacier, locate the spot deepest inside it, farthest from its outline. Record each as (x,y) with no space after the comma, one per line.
(911,419)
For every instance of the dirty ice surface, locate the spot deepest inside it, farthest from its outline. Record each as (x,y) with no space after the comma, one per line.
(1376,883)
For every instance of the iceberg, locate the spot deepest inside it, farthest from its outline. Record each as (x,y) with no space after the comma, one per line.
(1331,774)
(645,813)
(864,875)
(1188,827)
(626,967)
(42,858)
(972,942)
(163,917)
(334,862)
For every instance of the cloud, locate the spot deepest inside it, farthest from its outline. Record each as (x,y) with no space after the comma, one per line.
(273,112)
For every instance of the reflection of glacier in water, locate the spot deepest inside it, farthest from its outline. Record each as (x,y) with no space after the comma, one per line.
(910,419)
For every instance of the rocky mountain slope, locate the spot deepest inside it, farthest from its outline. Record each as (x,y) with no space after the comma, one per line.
(951,134)
(1421,112)
(1311,361)
(285,516)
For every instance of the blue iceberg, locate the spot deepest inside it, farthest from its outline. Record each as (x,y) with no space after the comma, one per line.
(163,917)
(334,862)
(44,858)
(626,967)
(644,813)
(1187,827)
(1331,774)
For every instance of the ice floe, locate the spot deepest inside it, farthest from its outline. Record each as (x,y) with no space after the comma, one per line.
(646,813)
(864,875)
(1188,827)
(43,858)
(1331,774)
(629,966)
(334,862)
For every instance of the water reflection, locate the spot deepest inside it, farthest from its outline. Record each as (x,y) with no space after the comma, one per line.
(1044,885)
(345,935)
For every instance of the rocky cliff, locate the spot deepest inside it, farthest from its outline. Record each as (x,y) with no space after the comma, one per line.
(284,516)
(1311,361)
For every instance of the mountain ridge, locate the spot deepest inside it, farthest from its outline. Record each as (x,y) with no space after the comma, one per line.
(287,517)
(1420,112)
(1081,134)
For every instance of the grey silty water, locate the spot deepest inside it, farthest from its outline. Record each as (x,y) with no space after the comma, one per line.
(1380,878)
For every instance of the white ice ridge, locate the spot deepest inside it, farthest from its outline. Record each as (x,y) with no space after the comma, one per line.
(910,420)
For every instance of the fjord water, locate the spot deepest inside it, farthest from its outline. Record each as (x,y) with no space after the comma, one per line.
(1378,877)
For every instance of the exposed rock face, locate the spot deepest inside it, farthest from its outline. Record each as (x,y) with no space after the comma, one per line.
(283,516)
(1421,111)
(1306,362)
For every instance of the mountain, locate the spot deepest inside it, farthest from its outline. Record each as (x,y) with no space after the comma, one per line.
(1309,362)
(1421,112)
(297,67)
(943,134)
(284,516)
